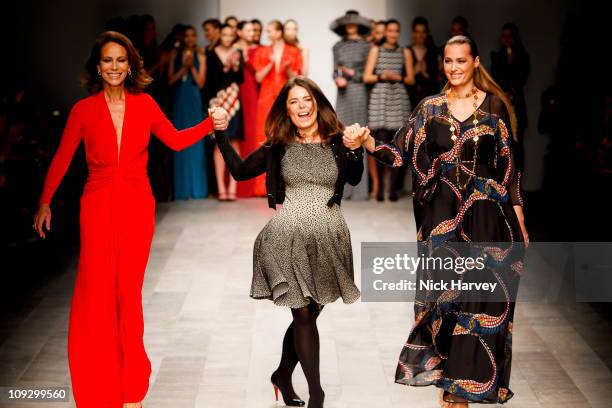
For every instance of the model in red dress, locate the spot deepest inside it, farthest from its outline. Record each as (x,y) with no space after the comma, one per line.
(272,73)
(108,363)
(249,93)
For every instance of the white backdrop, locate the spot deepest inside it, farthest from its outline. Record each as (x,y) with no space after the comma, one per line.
(313,17)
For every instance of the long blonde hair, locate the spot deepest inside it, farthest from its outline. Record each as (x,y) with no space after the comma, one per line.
(484,81)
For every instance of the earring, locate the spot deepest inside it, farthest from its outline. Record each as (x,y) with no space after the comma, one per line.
(99,73)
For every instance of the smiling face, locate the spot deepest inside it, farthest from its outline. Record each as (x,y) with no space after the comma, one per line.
(459,64)
(114,64)
(301,108)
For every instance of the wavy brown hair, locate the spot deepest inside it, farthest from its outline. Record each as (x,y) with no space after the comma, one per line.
(135,83)
(279,127)
(483,80)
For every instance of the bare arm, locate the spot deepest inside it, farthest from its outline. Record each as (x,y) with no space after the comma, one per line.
(199,75)
(409,78)
(368,75)
(261,74)
(172,75)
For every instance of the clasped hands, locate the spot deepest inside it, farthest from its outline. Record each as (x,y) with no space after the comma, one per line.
(219,117)
(355,136)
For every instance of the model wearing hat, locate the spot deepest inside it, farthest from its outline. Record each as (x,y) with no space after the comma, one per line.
(350,55)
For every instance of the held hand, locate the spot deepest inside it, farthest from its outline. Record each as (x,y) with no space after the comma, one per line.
(42,218)
(348,71)
(188,58)
(341,82)
(354,136)
(394,76)
(219,117)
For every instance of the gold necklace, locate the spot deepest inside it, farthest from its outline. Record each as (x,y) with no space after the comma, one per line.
(455,134)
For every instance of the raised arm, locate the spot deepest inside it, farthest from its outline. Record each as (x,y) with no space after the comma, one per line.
(167,133)
(70,140)
(252,166)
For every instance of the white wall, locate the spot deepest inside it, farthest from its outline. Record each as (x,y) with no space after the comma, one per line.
(313,17)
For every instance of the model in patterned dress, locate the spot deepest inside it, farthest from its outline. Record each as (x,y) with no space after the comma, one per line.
(390,69)
(302,258)
(350,55)
(459,143)
(224,74)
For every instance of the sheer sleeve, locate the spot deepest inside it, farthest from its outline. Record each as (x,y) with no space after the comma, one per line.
(509,175)
(71,137)
(394,154)
(252,166)
(167,133)
(354,166)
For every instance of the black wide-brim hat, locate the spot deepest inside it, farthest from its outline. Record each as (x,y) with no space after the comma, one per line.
(338,26)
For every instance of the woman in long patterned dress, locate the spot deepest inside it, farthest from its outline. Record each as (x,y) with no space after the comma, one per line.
(274,65)
(350,55)
(459,143)
(186,75)
(302,258)
(109,366)
(389,68)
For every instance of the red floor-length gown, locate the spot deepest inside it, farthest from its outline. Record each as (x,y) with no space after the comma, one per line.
(106,354)
(248,98)
(270,88)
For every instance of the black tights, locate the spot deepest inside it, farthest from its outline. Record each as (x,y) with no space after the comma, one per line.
(301,344)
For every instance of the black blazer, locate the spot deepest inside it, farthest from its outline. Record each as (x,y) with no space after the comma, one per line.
(267,158)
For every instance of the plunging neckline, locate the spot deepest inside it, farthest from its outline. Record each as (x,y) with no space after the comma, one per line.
(461,122)
(118,136)
(280,60)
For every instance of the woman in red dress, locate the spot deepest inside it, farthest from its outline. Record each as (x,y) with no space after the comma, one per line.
(248,97)
(274,64)
(108,363)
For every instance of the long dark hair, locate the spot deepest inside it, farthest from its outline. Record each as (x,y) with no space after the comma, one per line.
(279,127)
(135,83)
(517,45)
(483,80)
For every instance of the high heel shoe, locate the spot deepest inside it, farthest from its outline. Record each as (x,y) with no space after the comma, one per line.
(294,402)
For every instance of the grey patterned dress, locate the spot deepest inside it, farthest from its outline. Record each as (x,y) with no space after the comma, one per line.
(389,104)
(352,101)
(304,252)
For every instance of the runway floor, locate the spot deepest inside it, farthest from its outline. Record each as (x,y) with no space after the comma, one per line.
(212,346)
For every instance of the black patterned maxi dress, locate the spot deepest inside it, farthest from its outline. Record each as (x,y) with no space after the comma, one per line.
(463,347)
